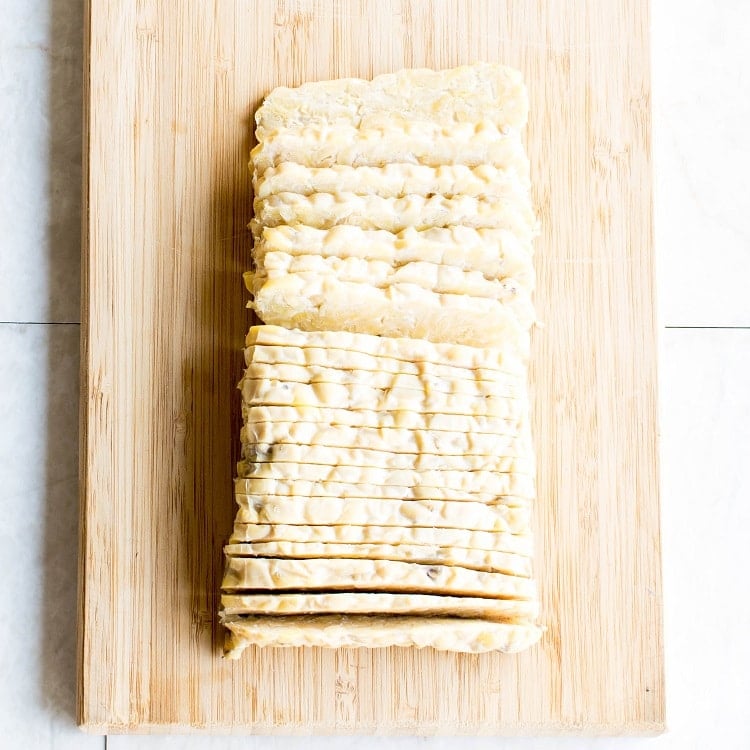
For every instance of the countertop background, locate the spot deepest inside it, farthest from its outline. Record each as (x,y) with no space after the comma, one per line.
(701,105)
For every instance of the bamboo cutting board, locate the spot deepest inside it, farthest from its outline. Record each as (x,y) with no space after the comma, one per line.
(171,91)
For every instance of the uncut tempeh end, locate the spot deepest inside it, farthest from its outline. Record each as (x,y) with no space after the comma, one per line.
(362,631)
(465,93)
(518,611)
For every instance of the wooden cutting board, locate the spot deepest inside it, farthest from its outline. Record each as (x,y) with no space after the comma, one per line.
(171,91)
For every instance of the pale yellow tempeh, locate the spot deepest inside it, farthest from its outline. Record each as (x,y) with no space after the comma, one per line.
(313,303)
(438,278)
(299,487)
(497,253)
(334,395)
(367,631)
(347,360)
(327,210)
(402,420)
(330,574)
(498,561)
(259,487)
(312,375)
(512,482)
(342,602)
(461,94)
(391,216)
(393,181)
(401,348)
(426,143)
(483,382)
(518,458)
(306,509)
(521,544)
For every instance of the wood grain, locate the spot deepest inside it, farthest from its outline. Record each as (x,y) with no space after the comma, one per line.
(171,90)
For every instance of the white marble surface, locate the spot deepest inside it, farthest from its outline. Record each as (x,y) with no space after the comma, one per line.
(701,76)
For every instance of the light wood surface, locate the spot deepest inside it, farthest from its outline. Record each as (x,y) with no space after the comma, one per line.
(171,91)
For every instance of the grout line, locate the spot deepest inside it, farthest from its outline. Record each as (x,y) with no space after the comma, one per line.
(39,323)
(709,328)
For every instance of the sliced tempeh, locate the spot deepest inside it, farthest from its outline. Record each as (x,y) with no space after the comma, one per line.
(493,252)
(506,610)
(402,420)
(273,437)
(366,631)
(334,395)
(330,574)
(498,561)
(303,509)
(438,278)
(281,488)
(327,210)
(322,145)
(359,479)
(462,94)
(521,544)
(520,459)
(345,359)
(390,381)
(381,379)
(393,181)
(401,348)
(317,303)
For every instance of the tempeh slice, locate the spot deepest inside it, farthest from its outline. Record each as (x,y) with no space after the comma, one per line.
(393,180)
(313,303)
(334,395)
(345,359)
(520,460)
(496,253)
(269,436)
(462,94)
(359,480)
(330,574)
(304,509)
(498,561)
(380,379)
(438,278)
(401,348)
(429,143)
(366,631)
(307,488)
(327,210)
(402,420)
(506,610)
(521,544)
